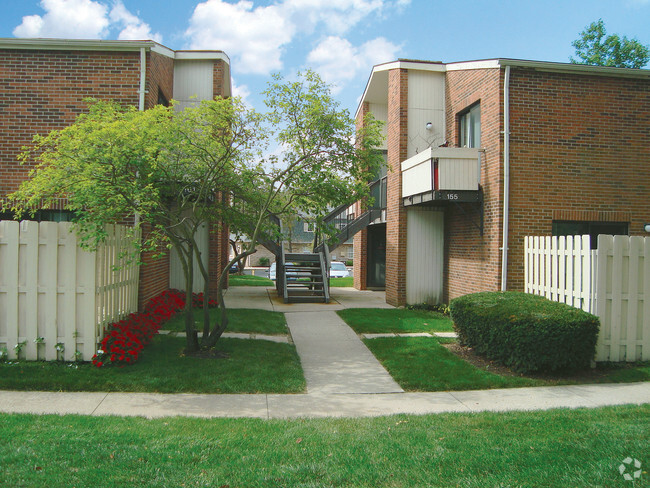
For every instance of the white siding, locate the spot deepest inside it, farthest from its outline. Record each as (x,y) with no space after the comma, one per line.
(176,276)
(193,81)
(426,103)
(458,174)
(424,255)
(380,112)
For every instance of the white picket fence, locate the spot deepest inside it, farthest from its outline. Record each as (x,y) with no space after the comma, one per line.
(56,298)
(612,282)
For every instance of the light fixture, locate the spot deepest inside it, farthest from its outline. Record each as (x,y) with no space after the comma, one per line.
(429,126)
(647,227)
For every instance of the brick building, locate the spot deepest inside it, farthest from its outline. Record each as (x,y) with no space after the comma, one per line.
(43,84)
(483,153)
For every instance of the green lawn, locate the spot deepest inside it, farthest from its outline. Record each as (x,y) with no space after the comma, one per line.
(380,320)
(342,282)
(249,280)
(246,320)
(557,448)
(422,364)
(253,366)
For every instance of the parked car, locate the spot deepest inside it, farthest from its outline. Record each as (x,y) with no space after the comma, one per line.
(272,272)
(338,270)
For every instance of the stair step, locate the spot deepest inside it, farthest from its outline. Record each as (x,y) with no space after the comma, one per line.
(320,299)
(306,257)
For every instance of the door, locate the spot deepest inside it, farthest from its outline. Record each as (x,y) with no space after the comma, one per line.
(376,256)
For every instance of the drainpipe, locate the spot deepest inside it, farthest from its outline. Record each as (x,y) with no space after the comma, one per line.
(506,179)
(143,76)
(141,92)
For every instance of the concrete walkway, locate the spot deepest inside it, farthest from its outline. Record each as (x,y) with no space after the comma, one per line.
(154,405)
(343,379)
(333,357)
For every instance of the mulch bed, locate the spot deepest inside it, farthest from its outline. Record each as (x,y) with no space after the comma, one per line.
(468,354)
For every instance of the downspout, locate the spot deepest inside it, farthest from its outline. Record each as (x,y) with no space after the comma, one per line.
(141,92)
(143,77)
(506,179)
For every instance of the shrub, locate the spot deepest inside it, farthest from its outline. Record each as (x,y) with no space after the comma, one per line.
(527,333)
(124,340)
(349,262)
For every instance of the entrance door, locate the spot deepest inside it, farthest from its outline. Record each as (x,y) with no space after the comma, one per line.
(376,256)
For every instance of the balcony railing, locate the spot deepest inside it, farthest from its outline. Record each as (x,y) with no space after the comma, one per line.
(442,173)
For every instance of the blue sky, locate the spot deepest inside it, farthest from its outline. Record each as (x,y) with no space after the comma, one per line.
(341,39)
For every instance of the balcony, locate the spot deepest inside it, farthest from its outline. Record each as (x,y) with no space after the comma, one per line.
(442,174)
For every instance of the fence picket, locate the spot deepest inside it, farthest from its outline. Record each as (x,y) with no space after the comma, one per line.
(612,282)
(52,289)
(29,235)
(645,322)
(634,253)
(10,235)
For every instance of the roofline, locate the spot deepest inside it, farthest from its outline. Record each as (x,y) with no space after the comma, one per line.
(108,45)
(499,63)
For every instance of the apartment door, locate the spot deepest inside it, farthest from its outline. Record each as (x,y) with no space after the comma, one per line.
(376,256)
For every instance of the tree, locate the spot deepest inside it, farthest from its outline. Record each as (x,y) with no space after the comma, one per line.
(177,170)
(322,163)
(594,47)
(173,169)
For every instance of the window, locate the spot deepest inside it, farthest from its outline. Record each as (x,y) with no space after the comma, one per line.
(470,127)
(350,252)
(594,229)
(309,227)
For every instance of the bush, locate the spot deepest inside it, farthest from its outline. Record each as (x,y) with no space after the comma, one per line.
(349,262)
(263,261)
(527,333)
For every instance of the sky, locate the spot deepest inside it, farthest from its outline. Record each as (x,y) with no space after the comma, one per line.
(340,39)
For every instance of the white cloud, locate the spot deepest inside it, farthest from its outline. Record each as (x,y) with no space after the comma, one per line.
(133,28)
(77,19)
(241,91)
(254,36)
(84,19)
(338,61)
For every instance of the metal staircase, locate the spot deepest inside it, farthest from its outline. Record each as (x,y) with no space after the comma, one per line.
(304,277)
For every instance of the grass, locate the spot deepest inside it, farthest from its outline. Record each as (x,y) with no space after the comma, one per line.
(422,364)
(252,366)
(249,280)
(247,320)
(577,448)
(342,282)
(379,321)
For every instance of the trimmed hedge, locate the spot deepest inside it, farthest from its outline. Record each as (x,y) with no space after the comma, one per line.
(527,333)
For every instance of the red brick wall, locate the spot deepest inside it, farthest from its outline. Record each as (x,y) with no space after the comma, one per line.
(360,240)
(397,139)
(44,91)
(154,272)
(472,262)
(219,78)
(580,150)
(160,76)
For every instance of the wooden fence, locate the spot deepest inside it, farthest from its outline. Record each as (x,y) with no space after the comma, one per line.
(56,298)
(612,282)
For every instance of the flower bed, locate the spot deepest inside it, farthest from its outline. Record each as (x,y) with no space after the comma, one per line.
(124,340)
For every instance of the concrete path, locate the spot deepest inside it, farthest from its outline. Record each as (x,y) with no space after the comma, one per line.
(153,405)
(333,357)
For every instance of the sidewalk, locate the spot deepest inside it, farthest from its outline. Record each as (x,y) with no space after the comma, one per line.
(343,379)
(153,405)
